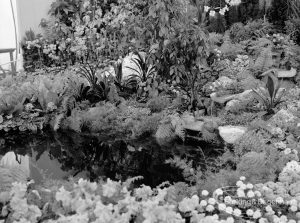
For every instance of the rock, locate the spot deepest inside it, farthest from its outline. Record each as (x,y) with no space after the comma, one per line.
(287,73)
(221,99)
(187,118)
(240,101)
(231,134)
(127,62)
(246,95)
(283,118)
(196,126)
(223,83)
(232,105)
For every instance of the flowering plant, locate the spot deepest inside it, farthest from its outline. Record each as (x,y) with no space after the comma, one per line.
(111,201)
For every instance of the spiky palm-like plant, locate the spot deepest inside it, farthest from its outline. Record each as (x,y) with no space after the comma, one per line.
(142,72)
(270,96)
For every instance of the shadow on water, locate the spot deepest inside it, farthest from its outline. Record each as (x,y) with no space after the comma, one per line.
(60,155)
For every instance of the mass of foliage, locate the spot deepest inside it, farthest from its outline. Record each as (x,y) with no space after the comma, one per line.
(222,77)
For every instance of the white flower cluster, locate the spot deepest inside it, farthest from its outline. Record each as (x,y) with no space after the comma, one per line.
(240,63)
(85,201)
(51,107)
(22,211)
(222,11)
(50,50)
(29,107)
(277,132)
(292,166)
(112,202)
(34,43)
(233,2)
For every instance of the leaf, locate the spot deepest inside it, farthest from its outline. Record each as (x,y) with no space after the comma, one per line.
(264,60)
(165,131)
(260,97)
(154,47)
(130,148)
(270,86)
(1,119)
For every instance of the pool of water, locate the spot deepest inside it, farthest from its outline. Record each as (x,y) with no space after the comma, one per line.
(65,154)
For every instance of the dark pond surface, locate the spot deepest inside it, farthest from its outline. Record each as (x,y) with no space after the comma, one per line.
(64,154)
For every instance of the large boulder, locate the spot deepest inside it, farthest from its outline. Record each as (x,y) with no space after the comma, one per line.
(231,134)
(283,118)
(240,101)
(287,73)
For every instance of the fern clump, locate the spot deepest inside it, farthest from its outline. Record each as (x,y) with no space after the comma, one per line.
(240,119)
(73,122)
(215,179)
(264,61)
(189,173)
(171,126)
(249,142)
(253,165)
(124,120)
(178,191)
(148,125)
(238,32)
(157,104)
(101,118)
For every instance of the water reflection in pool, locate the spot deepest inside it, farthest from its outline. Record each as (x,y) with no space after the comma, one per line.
(60,155)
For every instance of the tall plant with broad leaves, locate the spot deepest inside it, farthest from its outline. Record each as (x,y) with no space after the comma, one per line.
(99,88)
(188,52)
(179,47)
(142,74)
(270,96)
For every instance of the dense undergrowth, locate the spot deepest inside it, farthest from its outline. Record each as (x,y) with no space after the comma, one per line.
(238,89)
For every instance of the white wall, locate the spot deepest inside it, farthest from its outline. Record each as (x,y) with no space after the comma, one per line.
(7,32)
(28,15)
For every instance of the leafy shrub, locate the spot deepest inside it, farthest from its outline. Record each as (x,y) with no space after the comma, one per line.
(269,97)
(293,28)
(242,119)
(99,88)
(86,202)
(253,29)
(157,104)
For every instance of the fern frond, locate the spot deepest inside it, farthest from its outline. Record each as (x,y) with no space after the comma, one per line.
(180,131)
(264,60)
(57,121)
(164,131)
(208,136)
(131,180)
(68,103)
